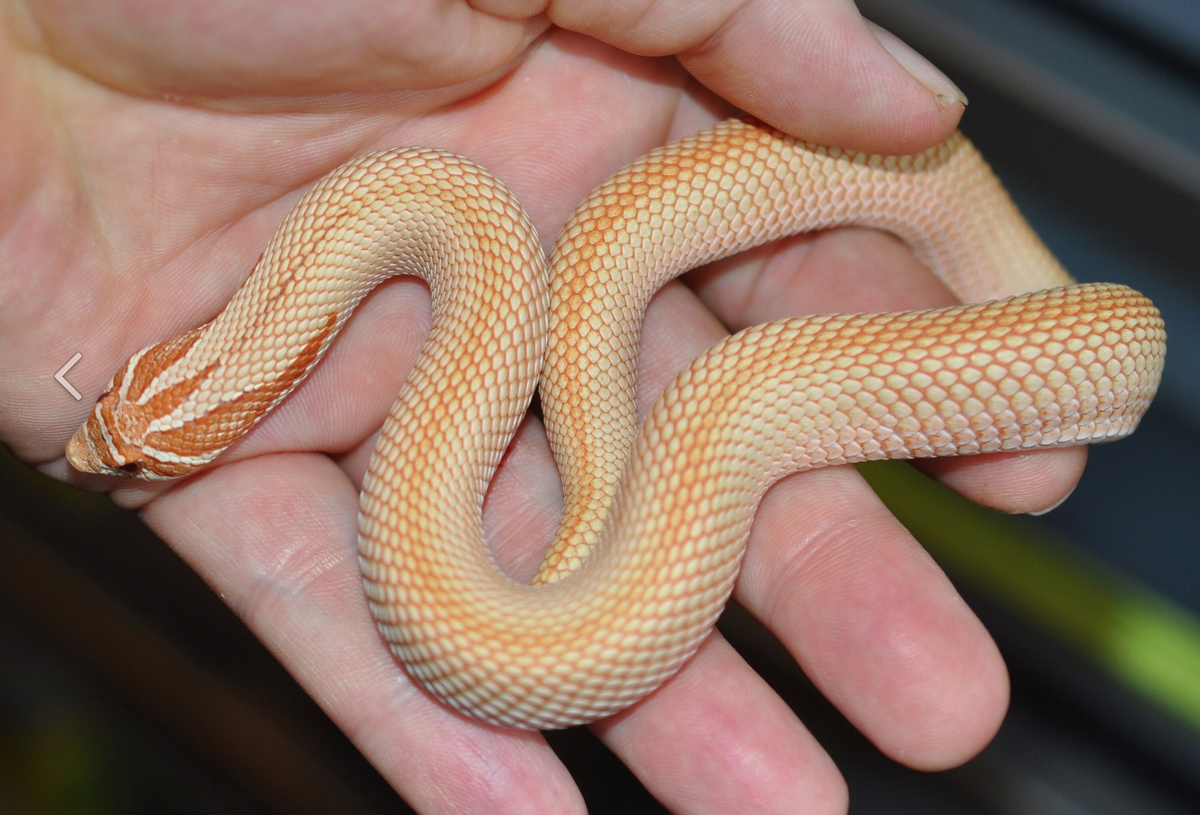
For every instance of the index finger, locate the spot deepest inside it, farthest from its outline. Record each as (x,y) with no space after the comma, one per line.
(815,69)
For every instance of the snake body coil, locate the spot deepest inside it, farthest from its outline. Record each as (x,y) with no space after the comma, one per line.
(657,517)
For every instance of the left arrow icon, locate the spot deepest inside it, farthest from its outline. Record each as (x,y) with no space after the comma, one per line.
(61,376)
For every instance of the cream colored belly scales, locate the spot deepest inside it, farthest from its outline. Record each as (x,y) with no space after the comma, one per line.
(657,516)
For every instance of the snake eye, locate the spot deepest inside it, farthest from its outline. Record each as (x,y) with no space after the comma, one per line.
(132,467)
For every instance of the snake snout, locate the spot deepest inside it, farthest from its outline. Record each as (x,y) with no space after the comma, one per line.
(97,448)
(81,454)
(85,455)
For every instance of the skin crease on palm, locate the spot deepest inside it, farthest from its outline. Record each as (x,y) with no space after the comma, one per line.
(154,147)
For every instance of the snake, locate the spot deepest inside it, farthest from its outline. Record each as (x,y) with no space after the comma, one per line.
(656,514)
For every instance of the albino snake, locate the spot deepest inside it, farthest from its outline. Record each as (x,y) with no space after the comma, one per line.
(1061,366)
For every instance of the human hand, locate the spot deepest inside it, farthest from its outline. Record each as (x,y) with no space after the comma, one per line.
(155,150)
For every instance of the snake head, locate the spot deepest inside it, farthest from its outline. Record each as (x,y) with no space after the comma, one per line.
(131,431)
(103,445)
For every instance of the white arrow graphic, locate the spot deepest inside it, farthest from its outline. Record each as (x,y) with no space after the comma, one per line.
(61,376)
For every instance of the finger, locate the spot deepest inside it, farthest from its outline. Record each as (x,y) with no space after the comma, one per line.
(815,69)
(853,270)
(281,552)
(862,607)
(873,621)
(255,52)
(1033,483)
(834,271)
(718,739)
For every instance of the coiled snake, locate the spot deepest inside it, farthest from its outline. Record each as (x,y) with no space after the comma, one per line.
(656,517)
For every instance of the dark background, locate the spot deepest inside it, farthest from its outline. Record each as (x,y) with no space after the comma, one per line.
(126,686)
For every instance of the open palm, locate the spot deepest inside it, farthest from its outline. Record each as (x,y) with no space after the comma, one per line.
(152,148)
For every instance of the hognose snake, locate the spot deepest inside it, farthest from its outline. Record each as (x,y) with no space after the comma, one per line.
(646,554)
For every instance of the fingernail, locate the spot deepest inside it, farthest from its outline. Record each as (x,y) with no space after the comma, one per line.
(918,67)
